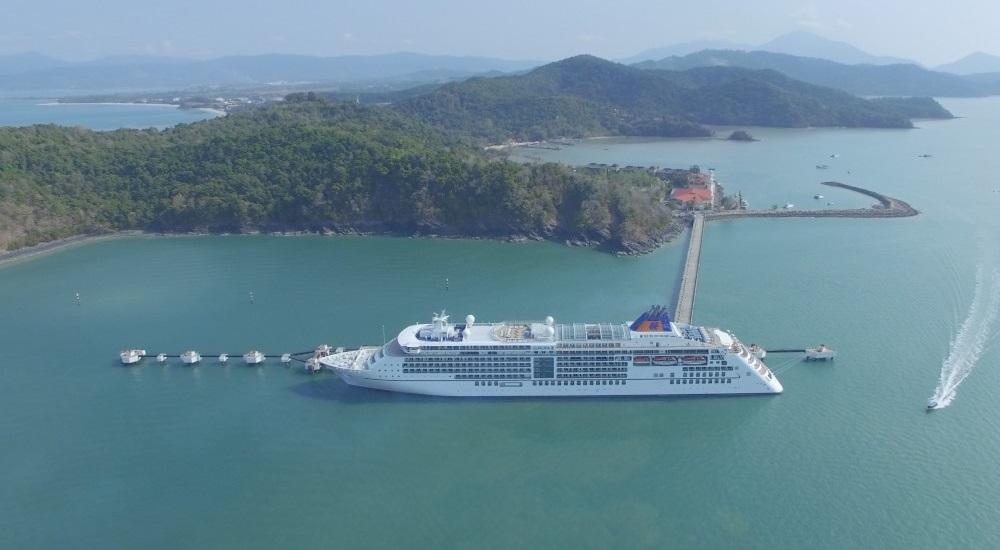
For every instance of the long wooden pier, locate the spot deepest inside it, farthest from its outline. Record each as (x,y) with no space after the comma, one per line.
(689,277)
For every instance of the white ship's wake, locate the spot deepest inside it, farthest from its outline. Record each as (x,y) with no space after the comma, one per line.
(972,337)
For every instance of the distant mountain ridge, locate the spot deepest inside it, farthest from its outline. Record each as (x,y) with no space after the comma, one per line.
(145,72)
(587,96)
(865,80)
(798,43)
(807,44)
(976,62)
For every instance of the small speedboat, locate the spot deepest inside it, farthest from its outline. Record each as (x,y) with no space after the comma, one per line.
(190,357)
(223,358)
(821,166)
(161,358)
(253,357)
(817,196)
(286,358)
(932,404)
(789,206)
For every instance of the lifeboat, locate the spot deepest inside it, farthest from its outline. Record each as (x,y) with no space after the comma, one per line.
(641,360)
(664,360)
(694,360)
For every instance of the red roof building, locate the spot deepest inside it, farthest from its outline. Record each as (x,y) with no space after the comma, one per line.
(693,196)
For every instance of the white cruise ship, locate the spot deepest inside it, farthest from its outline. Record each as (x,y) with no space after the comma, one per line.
(651,356)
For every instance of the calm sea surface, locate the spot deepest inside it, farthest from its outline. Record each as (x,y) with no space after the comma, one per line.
(96,455)
(96,116)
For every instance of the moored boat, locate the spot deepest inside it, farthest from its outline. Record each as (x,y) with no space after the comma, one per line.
(190,357)
(131,356)
(253,357)
(542,358)
(820,353)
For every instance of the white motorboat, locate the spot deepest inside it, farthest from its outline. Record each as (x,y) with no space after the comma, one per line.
(253,357)
(190,357)
(286,358)
(132,356)
(820,353)
(161,358)
(932,404)
(789,206)
(223,358)
(817,196)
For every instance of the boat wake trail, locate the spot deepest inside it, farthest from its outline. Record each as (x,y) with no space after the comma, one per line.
(972,337)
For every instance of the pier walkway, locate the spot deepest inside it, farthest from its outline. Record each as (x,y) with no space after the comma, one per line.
(887,207)
(689,277)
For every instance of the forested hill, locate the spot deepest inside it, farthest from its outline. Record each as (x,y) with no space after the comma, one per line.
(587,96)
(307,165)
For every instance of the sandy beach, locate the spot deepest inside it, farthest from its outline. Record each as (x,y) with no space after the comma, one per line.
(30,252)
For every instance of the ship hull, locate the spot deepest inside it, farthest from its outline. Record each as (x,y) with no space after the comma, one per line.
(526,388)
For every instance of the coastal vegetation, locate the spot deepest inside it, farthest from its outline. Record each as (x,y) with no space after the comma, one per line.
(740,135)
(412,165)
(587,96)
(309,165)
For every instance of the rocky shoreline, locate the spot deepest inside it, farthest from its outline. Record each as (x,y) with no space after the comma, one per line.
(626,249)
(888,207)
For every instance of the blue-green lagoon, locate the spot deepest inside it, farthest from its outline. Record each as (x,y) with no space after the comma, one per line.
(25,111)
(97,455)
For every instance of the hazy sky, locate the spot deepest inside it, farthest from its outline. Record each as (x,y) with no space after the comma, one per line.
(930,32)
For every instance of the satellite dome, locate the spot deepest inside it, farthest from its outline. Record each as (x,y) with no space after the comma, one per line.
(470,320)
(550,321)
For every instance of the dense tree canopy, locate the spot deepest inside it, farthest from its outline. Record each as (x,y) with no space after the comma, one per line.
(307,165)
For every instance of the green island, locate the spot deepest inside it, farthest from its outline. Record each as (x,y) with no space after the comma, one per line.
(414,166)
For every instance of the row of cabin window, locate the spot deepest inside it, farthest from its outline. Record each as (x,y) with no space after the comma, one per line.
(591,369)
(578,382)
(453,348)
(463,370)
(701,374)
(582,345)
(715,368)
(701,380)
(594,375)
(491,377)
(481,359)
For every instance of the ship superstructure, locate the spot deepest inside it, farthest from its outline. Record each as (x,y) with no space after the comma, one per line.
(650,356)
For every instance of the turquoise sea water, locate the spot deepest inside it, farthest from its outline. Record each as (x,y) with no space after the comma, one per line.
(97,455)
(28,111)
